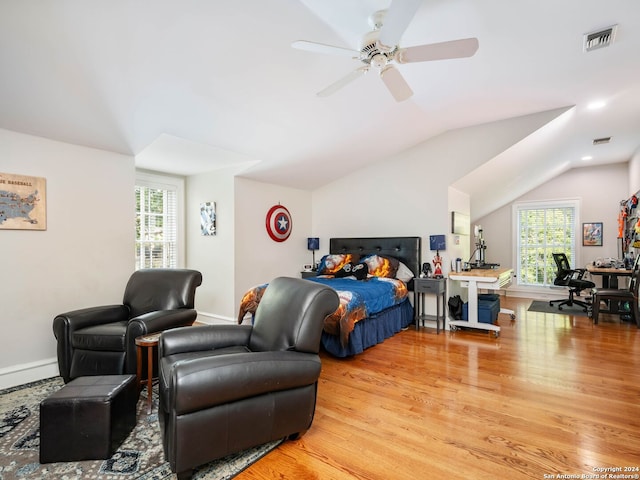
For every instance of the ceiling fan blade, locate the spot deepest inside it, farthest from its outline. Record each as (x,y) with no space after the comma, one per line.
(396,21)
(465,47)
(334,87)
(322,48)
(396,83)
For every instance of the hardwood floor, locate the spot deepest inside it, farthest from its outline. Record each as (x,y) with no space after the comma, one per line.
(553,397)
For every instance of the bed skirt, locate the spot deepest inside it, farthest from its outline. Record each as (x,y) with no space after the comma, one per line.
(371,330)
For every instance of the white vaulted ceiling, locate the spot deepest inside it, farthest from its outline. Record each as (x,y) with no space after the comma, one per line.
(187,85)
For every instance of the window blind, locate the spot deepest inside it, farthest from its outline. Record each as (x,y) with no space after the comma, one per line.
(156,227)
(541,231)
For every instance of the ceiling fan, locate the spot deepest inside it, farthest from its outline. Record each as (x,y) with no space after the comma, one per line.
(379,50)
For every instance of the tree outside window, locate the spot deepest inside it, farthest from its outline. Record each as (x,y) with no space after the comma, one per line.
(542,231)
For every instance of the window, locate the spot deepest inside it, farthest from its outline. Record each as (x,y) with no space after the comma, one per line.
(158,221)
(543,229)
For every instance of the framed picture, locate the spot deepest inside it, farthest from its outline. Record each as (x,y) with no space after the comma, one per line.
(208,218)
(592,234)
(460,223)
(22,202)
(437,242)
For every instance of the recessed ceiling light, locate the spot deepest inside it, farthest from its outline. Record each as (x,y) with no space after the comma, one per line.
(596,105)
(587,157)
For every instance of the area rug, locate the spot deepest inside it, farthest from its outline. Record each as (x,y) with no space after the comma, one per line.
(139,457)
(544,307)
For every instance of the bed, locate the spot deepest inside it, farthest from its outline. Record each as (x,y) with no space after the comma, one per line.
(366,316)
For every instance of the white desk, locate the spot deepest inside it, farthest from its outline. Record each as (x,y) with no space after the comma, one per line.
(490,279)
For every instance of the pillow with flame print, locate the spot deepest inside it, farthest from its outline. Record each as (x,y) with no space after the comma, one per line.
(382,266)
(330,264)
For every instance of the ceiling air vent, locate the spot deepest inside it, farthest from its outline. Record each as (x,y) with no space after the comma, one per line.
(600,39)
(601,141)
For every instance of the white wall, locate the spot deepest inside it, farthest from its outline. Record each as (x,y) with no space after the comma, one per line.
(258,258)
(408,194)
(399,197)
(84,258)
(212,255)
(599,190)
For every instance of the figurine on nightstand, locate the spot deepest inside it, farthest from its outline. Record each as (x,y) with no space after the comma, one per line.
(437,265)
(426,270)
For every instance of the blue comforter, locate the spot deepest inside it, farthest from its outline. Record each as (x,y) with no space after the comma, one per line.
(359,299)
(374,293)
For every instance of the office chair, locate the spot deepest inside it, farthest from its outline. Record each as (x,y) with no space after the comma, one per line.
(572,278)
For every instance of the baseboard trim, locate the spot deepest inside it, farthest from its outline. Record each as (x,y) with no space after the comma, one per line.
(212,319)
(28,372)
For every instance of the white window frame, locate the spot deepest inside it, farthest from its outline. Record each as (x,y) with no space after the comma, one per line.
(169,182)
(560,203)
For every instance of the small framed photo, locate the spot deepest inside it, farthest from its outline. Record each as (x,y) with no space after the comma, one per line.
(437,242)
(208,218)
(592,234)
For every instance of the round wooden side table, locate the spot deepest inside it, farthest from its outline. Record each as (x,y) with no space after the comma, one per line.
(148,341)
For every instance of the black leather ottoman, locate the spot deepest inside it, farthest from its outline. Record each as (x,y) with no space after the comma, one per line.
(88,418)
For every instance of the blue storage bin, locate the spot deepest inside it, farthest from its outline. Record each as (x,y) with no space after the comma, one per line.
(488,308)
(492,297)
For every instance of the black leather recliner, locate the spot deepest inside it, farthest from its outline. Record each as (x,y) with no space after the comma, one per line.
(101,340)
(226,388)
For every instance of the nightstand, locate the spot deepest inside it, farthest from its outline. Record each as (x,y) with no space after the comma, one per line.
(308,274)
(433,286)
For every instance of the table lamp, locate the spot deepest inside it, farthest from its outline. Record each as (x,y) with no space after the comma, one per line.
(313,244)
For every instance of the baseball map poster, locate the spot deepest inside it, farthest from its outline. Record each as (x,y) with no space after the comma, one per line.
(22,202)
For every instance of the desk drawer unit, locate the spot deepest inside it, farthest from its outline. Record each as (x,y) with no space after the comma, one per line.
(429,285)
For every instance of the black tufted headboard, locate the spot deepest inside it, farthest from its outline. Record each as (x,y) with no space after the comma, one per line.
(405,249)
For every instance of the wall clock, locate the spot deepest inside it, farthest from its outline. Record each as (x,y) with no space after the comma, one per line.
(278,223)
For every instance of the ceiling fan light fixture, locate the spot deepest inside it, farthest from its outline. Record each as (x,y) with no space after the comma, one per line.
(379,61)
(380,48)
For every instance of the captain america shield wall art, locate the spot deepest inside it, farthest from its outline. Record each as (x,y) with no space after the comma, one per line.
(278,223)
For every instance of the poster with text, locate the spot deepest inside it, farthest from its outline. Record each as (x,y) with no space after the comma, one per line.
(22,202)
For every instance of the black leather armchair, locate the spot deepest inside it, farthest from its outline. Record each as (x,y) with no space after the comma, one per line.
(226,388)
(101,340)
